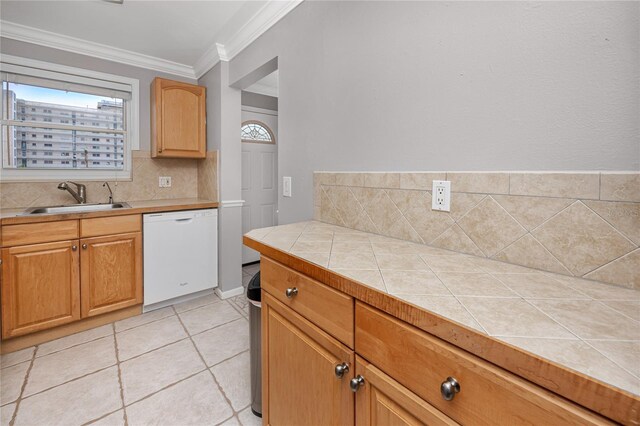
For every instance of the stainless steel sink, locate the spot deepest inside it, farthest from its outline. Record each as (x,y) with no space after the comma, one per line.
(76,208)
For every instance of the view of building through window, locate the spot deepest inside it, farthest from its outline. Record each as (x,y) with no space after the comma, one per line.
(56,129)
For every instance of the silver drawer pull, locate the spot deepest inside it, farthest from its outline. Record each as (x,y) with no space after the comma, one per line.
(291,291)
(356,383)
(449,388)
(341,370)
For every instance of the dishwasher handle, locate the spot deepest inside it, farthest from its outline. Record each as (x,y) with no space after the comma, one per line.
(184,220)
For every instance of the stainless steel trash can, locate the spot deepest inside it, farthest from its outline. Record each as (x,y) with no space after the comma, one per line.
(255,334)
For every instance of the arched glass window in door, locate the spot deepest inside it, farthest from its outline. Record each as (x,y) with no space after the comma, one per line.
(257,132)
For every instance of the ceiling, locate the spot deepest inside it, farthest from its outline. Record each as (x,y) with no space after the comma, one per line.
(180,33)
(266,86)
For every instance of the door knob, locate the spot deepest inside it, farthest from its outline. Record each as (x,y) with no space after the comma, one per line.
(341,369)
(291,291)
(356,383)
(449,388)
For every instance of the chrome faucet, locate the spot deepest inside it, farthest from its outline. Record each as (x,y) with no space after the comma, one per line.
(110,192)
(80,196)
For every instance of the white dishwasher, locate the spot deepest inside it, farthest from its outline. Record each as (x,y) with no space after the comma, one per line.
(180,256)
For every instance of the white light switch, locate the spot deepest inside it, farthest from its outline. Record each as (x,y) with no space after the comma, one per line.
(164,181)
(441,195)
(286,186)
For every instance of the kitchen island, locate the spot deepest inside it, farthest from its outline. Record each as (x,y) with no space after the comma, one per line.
(567,348)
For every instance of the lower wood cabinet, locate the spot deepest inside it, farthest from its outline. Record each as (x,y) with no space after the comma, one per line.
(111,273)
(300,384)
(383,401)
(401,375)
(40,287)
(48,284)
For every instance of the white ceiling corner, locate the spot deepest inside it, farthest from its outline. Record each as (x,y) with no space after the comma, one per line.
(264,19)
(75,45)
(223,49)
(222,52)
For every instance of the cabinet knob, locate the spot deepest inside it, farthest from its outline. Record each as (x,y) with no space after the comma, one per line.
(84,247)
(291,291)
(356,383)
(74,247)
(449,388)
(341,369)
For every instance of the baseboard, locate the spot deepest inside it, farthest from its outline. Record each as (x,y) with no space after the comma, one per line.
(176,300)
(21,342)
(229,293)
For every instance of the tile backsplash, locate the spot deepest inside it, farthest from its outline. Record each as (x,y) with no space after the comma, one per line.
(208,176)
(578,224)
(184,174)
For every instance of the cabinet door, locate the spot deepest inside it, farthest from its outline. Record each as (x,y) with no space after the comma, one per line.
(299,383)
(178,119)
(40,287)
(383,401)
(111,273)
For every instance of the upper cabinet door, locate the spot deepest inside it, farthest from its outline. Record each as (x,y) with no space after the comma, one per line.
(178,119)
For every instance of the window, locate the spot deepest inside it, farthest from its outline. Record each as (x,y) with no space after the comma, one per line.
(257,132)
(58,92)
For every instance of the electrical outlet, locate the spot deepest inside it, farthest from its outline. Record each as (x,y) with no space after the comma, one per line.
(441,195)
(164,181)
(286,186)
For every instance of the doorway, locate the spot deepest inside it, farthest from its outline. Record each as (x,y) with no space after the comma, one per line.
(259,139)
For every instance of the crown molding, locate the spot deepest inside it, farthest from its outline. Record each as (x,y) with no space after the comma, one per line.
(97,50)
(222,52)
(207,61)
(259,23)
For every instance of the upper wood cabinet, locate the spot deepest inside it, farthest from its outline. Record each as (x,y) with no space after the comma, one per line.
(178,119)
(40,287)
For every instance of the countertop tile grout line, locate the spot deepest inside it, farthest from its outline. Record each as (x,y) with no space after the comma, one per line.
(553,319)
(636,375)
(462,304)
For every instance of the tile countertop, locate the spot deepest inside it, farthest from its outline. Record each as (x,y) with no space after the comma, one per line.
(17,216)
(586,326)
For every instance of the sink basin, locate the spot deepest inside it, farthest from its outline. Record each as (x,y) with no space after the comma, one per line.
(76,208)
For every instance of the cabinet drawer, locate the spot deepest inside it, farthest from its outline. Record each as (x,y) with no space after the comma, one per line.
(330,309)
(488,394)
(383,401)
(35,233)
(110,225)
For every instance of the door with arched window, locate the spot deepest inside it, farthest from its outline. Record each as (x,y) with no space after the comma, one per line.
(259,173)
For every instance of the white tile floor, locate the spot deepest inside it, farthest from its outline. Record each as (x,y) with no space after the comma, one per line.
(187,364)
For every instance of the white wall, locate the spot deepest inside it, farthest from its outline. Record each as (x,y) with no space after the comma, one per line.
(452,86)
